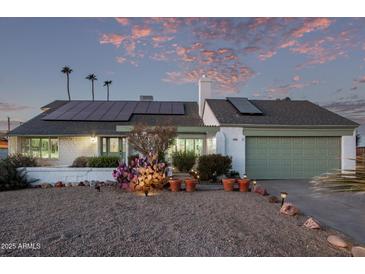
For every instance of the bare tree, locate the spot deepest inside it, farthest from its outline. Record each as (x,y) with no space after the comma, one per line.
(155,140)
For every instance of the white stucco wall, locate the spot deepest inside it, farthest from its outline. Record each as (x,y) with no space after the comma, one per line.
(348,152)
(53,175)
(235,145)
(209,118)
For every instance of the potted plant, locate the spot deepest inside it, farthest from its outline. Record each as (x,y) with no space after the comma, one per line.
(175,185)
(228,184)
(190,184)
(244,184)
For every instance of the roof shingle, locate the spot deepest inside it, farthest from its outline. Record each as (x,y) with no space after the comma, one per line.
(278,112)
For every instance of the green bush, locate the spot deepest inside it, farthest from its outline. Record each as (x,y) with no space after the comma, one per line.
(233,174)
(104,161)
(183,161)
(81,161)
(213,165)
(10,176)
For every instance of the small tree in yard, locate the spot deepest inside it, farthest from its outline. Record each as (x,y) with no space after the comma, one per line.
(152,140)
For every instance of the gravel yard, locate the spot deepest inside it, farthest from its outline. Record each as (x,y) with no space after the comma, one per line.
(79,221)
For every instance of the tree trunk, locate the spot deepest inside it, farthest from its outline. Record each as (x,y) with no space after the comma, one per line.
(68,87)
(107,93)
(92,88)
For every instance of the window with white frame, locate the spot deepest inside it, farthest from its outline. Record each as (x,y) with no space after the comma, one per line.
(40,147)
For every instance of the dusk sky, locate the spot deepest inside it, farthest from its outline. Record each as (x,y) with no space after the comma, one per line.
(317,59)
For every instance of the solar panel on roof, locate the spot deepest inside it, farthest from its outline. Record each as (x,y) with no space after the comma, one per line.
(153,108)
(113,111)
(99,112)
(126,112)
(68,115)
(91,108)
(244,106)
(141,107)
(166,108)
(58,112)
(178,108)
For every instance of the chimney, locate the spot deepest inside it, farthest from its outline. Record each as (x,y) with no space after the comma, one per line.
(205,92)
(146,98)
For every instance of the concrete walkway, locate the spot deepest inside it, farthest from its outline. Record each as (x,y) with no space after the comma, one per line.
(342,211)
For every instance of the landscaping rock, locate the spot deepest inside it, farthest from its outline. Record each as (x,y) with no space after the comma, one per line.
(337,241)
(260,190)
(358,251)
(289,209)
(59,184)
(312,224)
(81,184)
(273,199)
(46,185)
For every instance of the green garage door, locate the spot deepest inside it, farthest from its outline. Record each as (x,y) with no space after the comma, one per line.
(291,157)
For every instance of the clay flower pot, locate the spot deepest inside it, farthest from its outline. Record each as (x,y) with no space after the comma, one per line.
(190,184)
(244,184)
(175,185)
(228,184)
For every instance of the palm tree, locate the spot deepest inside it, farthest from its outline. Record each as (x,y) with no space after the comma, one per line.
(107,84)
(67,70)
(92,78)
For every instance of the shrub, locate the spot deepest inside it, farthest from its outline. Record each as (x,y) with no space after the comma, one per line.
(132,157)
(213,165)
(183,161)
(19,160)
(233,174)
(11,175)
(143,174)
(81,161)
(104,161)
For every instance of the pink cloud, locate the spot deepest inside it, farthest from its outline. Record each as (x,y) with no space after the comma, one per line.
(120,59)
(296,78)
(141,31)
(122,20)
(310,25)
(112,38)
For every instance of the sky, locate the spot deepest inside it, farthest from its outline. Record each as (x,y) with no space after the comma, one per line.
(316,59)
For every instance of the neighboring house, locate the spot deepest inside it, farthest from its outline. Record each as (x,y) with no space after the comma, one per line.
(267,139)
(3,146)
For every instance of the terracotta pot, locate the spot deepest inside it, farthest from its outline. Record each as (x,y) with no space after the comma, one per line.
(175,185)
(228,184)
(244,184)
(190,184)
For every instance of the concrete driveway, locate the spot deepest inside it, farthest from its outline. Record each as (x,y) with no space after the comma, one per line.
(342,211)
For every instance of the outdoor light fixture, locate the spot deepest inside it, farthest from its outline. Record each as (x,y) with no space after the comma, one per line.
(254,182)
(93,139)
(244,176)
(283,196)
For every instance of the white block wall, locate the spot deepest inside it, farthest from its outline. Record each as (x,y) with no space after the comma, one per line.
(348,152)
(235,146)
(53,175)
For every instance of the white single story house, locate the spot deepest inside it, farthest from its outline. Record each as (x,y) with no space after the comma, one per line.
(267,139)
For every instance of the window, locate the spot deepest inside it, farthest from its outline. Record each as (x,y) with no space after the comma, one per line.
(186,144)
(45,147)
(113,146)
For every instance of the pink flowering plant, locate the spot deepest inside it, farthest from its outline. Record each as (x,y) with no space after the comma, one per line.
(142,174)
